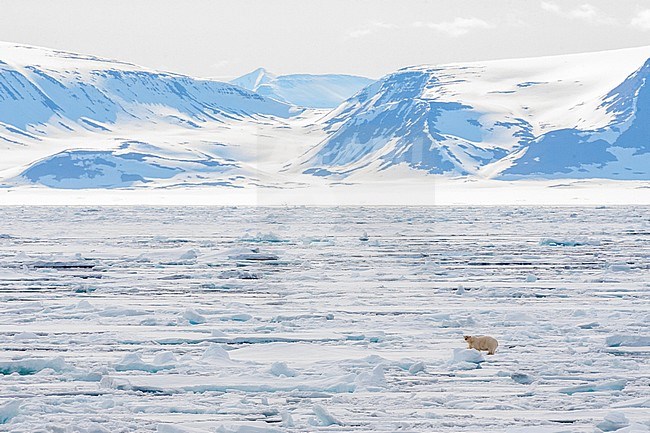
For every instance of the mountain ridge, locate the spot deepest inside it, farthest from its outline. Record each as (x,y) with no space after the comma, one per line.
(305,90)
(76,121)
(482,118)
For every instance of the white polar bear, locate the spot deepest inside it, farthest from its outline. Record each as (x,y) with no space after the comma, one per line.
(482,342)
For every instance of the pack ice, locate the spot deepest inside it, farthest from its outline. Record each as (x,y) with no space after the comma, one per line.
(147,319)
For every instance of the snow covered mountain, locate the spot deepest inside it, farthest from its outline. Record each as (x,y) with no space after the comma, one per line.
(73,121)
(39,86)
(620,149)
(47,94)
(304,90)
(566,116)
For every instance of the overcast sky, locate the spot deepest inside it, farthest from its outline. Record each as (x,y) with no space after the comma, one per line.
(224,39)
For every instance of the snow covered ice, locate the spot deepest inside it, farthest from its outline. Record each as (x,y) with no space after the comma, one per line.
(288,320)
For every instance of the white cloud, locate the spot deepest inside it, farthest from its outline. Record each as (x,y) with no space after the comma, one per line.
(642,20)
(458,27)
(371,28)
(551,7)
(586,12)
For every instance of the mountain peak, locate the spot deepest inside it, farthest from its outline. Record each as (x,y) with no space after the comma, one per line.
(254,79)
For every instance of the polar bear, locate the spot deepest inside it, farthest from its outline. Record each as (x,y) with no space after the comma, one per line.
(482,342)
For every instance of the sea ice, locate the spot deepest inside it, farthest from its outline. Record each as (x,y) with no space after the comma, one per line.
(565,242)
(281,369)
(416,367)
(613,421)
(370,332)
(612,385)
(215,352)
(324,417)
(133,361)
(27,366)
(531,278)
(627,340)
(467,359)
(193,317)
(9,410)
